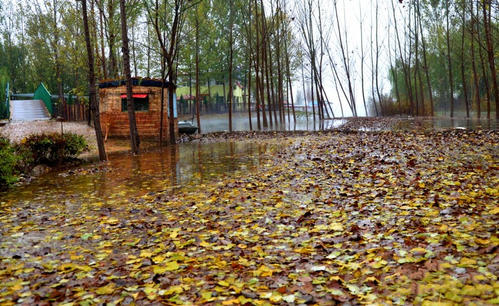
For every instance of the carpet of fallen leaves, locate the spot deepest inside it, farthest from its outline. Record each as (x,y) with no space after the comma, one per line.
(386,217)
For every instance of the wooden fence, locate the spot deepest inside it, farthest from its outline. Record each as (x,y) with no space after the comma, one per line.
(73,110)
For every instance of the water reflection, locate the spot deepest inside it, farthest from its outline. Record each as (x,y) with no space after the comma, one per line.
(240,122)
(125,176)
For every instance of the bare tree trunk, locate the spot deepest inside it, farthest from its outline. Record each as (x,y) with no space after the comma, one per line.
(93,30)
(288,72)
(148,72)
(304,94)
(55,46)
(449,62)
(318,71)
(484,72)
(491,54)
(257,68)
(473,64)
(103,54)
(372,74)
(426,70)
(262,64)
(249,57)
(198,92)
(231,51)
(249,92)
(312,92)
(480,54)
(312,57)
(405,69)
(362,60)
(134,134)
(113,69)
(339,96)
(133,52)
(345,63)
(162,107)
(171,101)
(463,78)
(269,81)
(91,80)
(267,61)
(280,90)
(412,98)
(416,68)
(378,93)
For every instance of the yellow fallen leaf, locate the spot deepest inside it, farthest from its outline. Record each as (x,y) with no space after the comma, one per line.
(482,241)
(207,296)
(172,290)
(205,244)
(470,290)
(159,258)
(276,297)
(263,271)
(150,292)
(112,221)
(418,251)
(230,302)
(443,228)
(379,264)
(104,290)
(146,253)
(336,227)
(170,266)
(494,211)
(465,262)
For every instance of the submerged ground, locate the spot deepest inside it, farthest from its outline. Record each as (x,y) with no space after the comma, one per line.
(319,218)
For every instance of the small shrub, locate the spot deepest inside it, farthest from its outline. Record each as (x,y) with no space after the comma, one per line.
(25,159)
(75,145)
(53,148)
(8,162)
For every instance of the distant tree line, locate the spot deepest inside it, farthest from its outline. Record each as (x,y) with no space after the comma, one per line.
(443,59)
(441,53)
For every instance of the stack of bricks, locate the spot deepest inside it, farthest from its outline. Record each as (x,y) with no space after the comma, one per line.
(115,122)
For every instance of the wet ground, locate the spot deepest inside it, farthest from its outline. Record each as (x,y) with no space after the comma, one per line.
(325,218)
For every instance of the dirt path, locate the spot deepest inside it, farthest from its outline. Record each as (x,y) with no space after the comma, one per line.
(16,131)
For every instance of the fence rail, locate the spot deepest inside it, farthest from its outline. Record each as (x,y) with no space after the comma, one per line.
(73,110)
(42,93)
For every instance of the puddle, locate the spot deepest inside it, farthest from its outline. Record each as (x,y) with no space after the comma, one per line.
(188,165)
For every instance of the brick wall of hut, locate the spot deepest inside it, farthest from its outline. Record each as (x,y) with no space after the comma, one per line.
(114,121)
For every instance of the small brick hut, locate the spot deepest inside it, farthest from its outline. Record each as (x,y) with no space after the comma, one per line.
(147,101)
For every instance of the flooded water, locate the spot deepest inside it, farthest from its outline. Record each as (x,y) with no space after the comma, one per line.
(240,122)
(123,176)
(191,164)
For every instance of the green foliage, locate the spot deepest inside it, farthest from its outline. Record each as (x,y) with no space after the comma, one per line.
(8,162)
(54,148)
(25,160)
(74,145)
(34,150)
